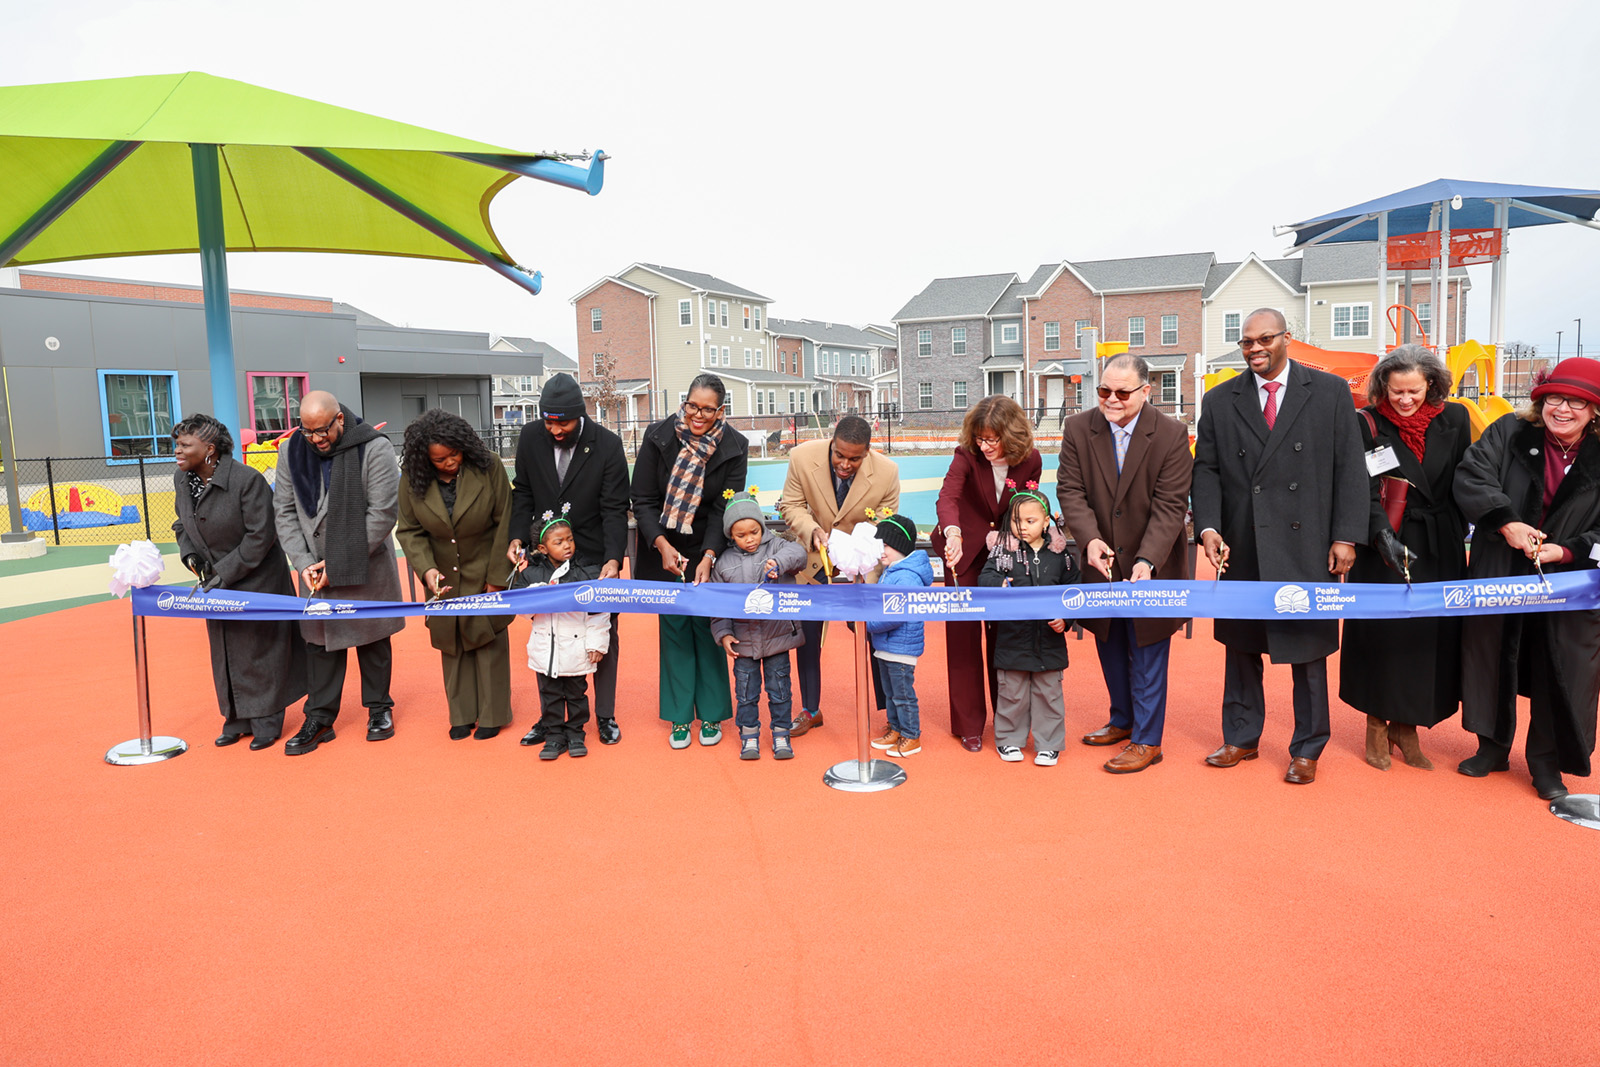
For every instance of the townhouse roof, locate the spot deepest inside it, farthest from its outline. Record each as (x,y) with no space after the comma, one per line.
(828,333)
(1355,262)
(708,282)
(1286,269)
(554,358)
(967,297)
(755,376)
(1146,272)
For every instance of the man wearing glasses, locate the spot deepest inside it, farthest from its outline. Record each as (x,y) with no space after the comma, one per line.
(1280,495)
(830,485)
(336,498)
(568,458)
(1123,483)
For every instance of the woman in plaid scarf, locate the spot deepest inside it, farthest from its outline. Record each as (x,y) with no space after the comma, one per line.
(684,465)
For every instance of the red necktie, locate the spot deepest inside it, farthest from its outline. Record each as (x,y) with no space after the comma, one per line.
(1271,410)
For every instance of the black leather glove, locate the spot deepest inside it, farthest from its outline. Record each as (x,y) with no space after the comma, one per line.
(196,564)
(1398,557)
(210,581)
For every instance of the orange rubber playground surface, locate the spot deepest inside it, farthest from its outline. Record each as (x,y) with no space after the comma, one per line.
(422,901)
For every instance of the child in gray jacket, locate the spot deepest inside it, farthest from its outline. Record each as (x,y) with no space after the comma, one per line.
(759,646)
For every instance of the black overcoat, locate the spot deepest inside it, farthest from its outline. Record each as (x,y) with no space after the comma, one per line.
(258,667)
(652,469)
(1409,670)
(1280,499)
(1551,657)
(596,486)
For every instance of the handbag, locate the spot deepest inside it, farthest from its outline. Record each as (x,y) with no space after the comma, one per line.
(1391,491)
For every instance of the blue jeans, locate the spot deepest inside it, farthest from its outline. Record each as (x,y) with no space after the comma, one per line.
(747,672)
(900,693)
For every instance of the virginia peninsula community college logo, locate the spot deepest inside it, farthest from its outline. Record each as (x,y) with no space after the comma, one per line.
(584,594)
(1291,600)
(1073,599)
(759,602)
(164,601)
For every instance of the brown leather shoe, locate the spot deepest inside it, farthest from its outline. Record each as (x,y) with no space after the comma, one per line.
(1135,757)
(1107,735)
(1228,756)
(1302,771)
(803,723)
(973,743)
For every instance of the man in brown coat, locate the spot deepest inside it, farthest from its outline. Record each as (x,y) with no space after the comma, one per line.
(1123,484)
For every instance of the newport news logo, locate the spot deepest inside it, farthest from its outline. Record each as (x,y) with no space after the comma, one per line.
(939,602)
(1505,593)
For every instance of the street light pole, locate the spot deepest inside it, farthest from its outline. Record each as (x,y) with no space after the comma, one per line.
(1580,337)
(1558,345)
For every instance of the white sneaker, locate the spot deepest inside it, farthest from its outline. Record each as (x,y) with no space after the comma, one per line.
(1046,758)
(1009,753)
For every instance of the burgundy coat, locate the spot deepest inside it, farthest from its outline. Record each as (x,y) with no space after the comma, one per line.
(967,499)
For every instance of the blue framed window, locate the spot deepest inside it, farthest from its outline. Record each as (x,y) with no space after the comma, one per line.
(138,409)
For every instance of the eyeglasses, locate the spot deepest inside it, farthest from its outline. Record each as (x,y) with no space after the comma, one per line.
(1122,394)
(986,442)
(691,411)
(322,433)
(1573,403)
(1247,343)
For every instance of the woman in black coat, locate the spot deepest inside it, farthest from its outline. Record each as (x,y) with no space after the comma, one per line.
(1531,483)
(684,465)
(226,536)
(1406,673)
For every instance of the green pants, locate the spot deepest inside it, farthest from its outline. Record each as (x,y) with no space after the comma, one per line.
(694,672)
(477,683)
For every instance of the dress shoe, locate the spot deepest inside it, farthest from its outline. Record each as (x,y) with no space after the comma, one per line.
(484,733)
(458,733)
(312,734)
(380,725)
(610,733)
(1231,755)
(1549,786)
(1135,757)
(228,739)
(1302,771)
(1107,735)
(803,723)
(534,736)
(1488,760)
(259,743)
(973,744)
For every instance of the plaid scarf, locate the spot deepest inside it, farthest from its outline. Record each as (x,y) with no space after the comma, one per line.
(688,475)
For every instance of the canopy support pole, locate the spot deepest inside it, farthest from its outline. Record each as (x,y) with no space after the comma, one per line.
(532,281)
(70,194)
(1441,272)
(1550,213)
(1382,306)
(214,286)
(585,179)
(1497,294)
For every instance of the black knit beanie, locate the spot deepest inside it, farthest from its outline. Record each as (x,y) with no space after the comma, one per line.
(899,533)
(562,398)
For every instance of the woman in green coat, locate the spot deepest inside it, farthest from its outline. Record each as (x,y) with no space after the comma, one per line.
(455,525)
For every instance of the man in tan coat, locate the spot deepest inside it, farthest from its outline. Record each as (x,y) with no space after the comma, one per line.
(831,484)
(1123,484)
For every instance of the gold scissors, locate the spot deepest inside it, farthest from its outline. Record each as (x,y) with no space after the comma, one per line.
(1536,541)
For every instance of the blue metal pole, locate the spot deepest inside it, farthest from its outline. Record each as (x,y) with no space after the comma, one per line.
(69,194)
(585,179)
(214,283)
(532,281)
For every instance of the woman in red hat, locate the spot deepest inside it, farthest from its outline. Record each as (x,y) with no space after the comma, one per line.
(1531,483)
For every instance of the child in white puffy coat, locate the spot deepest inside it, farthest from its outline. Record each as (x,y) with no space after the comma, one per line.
(564,646)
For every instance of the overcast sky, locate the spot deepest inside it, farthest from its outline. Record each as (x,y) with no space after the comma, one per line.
(838,156)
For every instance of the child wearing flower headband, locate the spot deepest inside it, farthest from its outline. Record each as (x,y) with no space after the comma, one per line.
(897,645)
(1029,654)
(564,646)
(759,646)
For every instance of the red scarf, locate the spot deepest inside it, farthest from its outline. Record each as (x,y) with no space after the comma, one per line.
(1414,427)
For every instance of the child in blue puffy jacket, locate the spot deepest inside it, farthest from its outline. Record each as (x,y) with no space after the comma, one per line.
(898,644)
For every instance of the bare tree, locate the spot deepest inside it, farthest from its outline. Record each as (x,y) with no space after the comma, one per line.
(604,388)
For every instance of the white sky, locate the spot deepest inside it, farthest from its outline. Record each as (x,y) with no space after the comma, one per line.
(836,157)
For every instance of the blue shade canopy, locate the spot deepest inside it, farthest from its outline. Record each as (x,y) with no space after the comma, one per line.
(1411,210)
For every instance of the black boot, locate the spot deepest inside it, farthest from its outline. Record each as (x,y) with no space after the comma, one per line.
(1491,757)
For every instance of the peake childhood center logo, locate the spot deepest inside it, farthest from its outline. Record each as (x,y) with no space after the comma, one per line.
(759,602)
(1291,600)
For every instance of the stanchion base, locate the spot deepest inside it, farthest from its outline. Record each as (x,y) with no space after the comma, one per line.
(1581,808)
(872,776)
(132,753)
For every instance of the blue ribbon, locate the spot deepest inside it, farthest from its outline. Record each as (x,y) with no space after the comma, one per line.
(1569,591)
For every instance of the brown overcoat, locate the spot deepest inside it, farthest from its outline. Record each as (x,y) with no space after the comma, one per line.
(468,546)
(808,502)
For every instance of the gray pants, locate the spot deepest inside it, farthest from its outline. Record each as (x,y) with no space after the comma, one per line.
(1031,700)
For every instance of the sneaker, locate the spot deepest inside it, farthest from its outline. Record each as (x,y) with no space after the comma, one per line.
(576,748)
(887,739)
(1009,753)
(750,745)
(1046,758)
(553,748)
(781,749)
(905,746)
(710,733)
(680,735)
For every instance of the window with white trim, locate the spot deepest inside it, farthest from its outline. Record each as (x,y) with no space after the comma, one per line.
(1169,388)
(925,396)
(596,320)
(138,410)
(275,400)
(958,340)
(1425,317)
(959,394)
(1352,320)
(727,407)
(772,401)
(761,357)
(1232,327)
(724,314)
(711,312)
(924,342)
(791,401)
(727,356)
(1078,326)
(761,402)
(685,313)
(1052,337)
(1169,329)
(747,316)
(1009,333)
(1136,331)
(747,357)
(758,318)
(802,399)
(711,356)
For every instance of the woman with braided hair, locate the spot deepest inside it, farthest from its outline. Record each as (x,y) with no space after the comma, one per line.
(455,525)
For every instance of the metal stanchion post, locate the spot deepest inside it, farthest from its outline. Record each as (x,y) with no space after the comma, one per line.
(1580,808)
(863,774)
(144,748)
